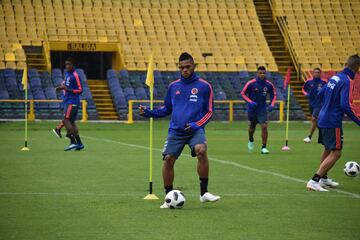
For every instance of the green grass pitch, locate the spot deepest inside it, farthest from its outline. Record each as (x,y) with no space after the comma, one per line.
(98,193)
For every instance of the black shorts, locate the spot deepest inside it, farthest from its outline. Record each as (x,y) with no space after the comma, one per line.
(331,138)
(257,118)
(70,112)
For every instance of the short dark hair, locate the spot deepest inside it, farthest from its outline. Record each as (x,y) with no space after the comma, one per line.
(262,68)
(353,62)
(185,56)
(317,69)
(70,59)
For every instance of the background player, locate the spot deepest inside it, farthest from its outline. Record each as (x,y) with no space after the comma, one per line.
(189,100)
(337,100)
(73,89)
(255,93)
(311,89)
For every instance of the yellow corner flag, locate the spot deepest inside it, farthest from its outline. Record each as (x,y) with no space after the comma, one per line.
(150,73)
(24,79)
(150,82)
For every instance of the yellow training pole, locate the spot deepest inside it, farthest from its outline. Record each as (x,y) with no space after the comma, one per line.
(25,83)
(286,147)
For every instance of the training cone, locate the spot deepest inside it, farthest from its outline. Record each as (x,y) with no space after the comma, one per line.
(285,148)
(151,197)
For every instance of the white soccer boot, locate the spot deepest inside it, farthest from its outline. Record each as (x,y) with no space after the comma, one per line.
(250,146)
(264,151)
(208,197)
(307,140)
(315,186)
(328,182)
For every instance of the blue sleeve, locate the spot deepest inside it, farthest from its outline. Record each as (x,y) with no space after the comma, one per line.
(345,102)
(165,110)
(305,89)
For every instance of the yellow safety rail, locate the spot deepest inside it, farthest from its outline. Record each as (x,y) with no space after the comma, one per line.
(229,102)
(31,114)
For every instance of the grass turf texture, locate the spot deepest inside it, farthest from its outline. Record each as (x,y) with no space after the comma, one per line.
(97,193)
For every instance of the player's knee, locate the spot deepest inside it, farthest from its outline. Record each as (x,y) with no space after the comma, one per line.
(264,127)
(200,151)
(337,154)
(169,161)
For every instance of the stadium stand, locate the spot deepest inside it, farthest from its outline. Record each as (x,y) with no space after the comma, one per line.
(41,87)
(229,30)
(130,85)
(323,33)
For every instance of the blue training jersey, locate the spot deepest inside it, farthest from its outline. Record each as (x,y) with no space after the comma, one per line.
(256,90)
(311,89)
(337,100)
(189,101)
(73,88)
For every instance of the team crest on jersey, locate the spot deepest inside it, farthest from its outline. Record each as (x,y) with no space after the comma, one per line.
(177,92)
(265,91)
(194,91)
(193,96)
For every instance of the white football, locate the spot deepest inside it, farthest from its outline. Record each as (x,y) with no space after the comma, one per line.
(175,199)
(351,169)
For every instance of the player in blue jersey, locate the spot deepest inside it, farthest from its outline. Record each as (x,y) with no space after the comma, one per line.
(337,100)
(73,89)
(189,100)
(311,89)
(255,93)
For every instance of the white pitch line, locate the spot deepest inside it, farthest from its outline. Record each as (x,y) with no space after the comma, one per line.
(225,162)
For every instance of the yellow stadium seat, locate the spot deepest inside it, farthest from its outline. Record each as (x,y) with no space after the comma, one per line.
(10,57)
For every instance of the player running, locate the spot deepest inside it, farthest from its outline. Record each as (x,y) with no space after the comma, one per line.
(189,100)
(255,93)
(337,100)
(73,88)
(311,89)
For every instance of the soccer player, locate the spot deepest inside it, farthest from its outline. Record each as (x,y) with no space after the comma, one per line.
(189,100)
(337,99)
(255,93)
(73,88)
(311,89)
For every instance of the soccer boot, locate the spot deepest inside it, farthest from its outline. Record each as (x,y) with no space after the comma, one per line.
(264,151)
(164,205)
(307,140)
(208,197)
(57,132)
(328,182)
(71,147)
(315,186)
(79,147)
(250,146)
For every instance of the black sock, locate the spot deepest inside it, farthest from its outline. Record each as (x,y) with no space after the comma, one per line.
(251,139)
(316,178)
(203,185)
(263,146)
(310,136)
(325,176)
(72,138)
(168,189)
(78,140)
